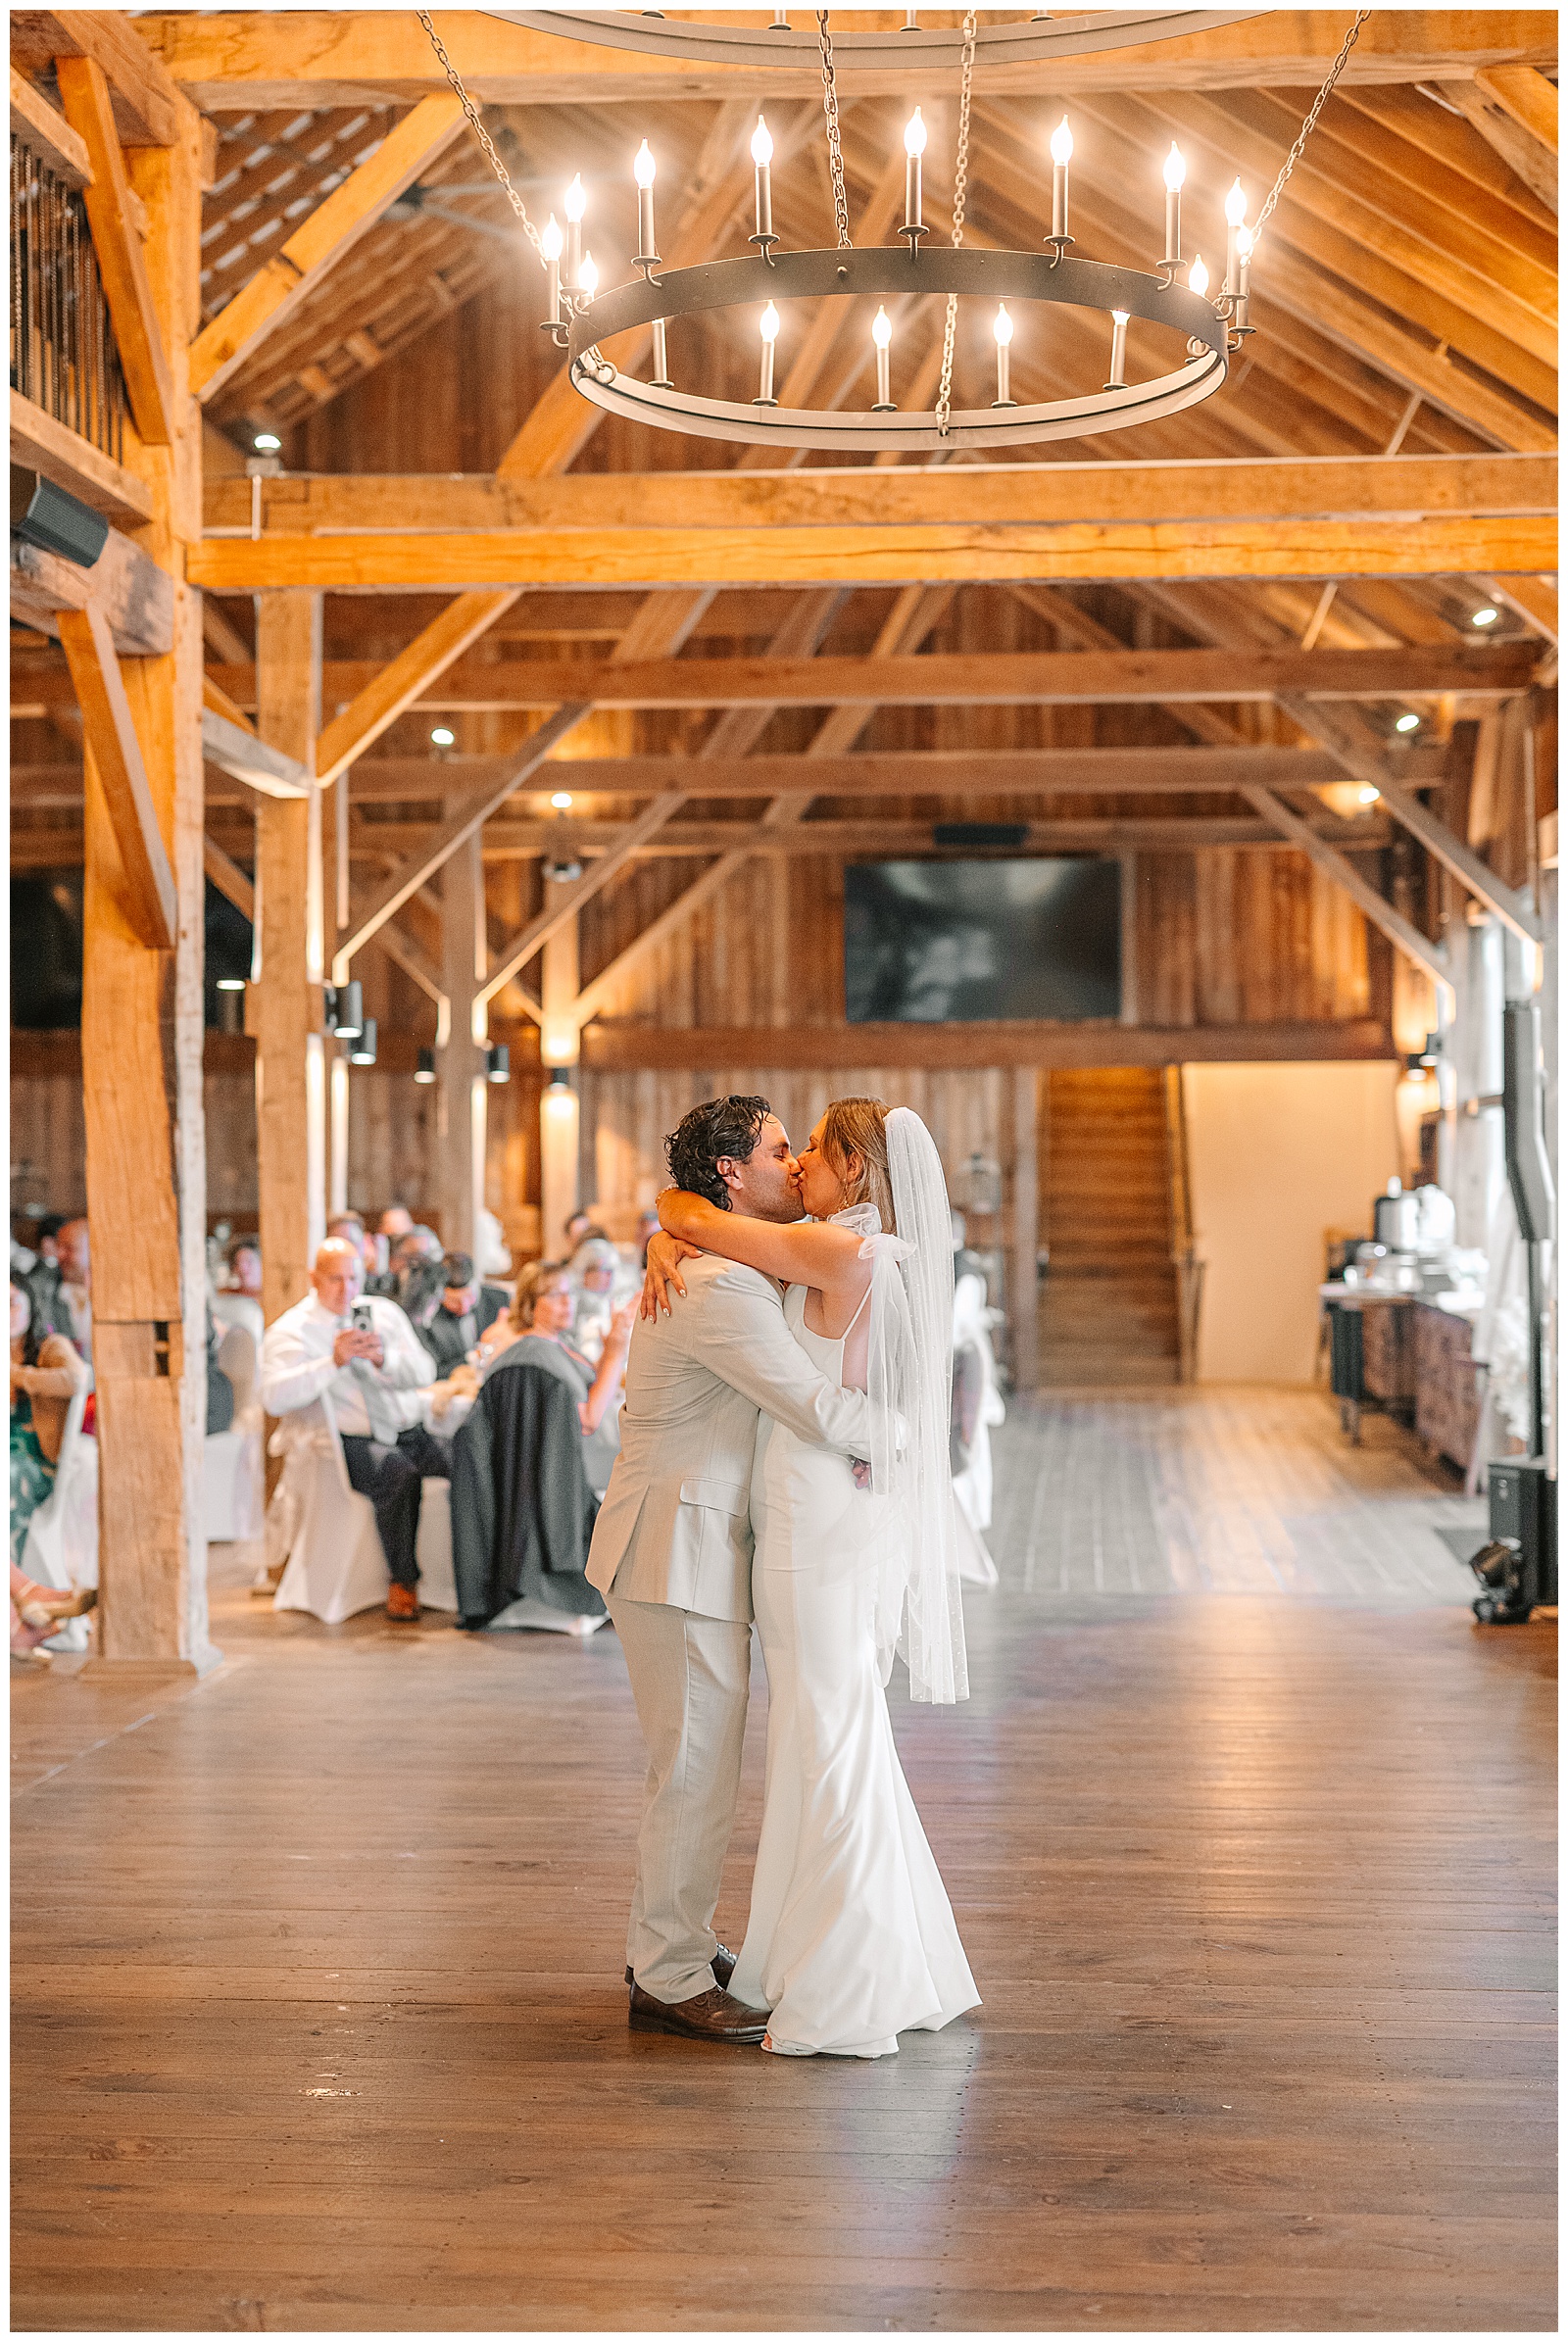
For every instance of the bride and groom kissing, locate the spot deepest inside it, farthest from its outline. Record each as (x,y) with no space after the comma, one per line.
(784,1456)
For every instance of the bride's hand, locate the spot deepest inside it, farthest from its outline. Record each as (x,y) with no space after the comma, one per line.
(665,1256)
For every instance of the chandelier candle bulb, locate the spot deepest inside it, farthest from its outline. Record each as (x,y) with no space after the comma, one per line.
(661,380)
(1002,329)
(588,276)
(1175,179)
(1118,350)
(913,148)
(551,245)
(1243,262)
(882,335)
(1061,157)
(1197,276)
(576,203)
(769,332)
(1235,215)
(644,170)
(762,157)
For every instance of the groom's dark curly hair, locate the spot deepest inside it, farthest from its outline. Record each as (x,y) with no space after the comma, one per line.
(721,1126)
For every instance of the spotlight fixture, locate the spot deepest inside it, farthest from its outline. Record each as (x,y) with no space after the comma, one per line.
(232,984)
(1487,615)
(560,800)
(345,1011)
(563,872)
(267,443)
(498,1063)
(1368,795)
(1209,327)
(424,1067)
(362,1050)
(442,738)
(1407,723)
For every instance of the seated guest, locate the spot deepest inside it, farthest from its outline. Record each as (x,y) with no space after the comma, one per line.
(602,1284)
(41,1275)
(46,1374)
(68,1310)
(522,1503)
(395,1223)
(452,1323)
(319,1367)
(244,1261)
(416,1265)
(349,1225)
(579,1226)
(540,1318)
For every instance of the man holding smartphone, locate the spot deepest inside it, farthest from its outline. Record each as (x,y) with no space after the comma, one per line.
(335,1360)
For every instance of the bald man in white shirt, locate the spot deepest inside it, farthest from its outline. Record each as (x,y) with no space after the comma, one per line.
(319,1367)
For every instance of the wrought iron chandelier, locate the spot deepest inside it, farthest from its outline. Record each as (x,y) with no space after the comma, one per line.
(1209,320)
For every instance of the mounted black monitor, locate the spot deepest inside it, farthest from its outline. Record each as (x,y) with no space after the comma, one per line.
(968,942)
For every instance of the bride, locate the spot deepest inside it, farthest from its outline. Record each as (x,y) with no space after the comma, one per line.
(852,1938)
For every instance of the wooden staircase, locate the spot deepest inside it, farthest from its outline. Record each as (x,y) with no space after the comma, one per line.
(1109,1303)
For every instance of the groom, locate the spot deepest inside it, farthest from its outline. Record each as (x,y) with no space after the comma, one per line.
(671,1554)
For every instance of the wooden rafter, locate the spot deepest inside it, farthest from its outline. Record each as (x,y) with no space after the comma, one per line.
(322,239)
(85,98)
(150,901)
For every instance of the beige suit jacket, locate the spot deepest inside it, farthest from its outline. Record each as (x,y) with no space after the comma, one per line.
(675,1526)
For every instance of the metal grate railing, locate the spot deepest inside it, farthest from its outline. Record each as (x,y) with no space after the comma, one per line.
(63,353)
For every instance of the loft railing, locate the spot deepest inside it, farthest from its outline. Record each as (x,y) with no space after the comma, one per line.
(63,354)
(1183,1240)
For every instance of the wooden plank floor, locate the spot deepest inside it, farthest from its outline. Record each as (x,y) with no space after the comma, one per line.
(318,2024)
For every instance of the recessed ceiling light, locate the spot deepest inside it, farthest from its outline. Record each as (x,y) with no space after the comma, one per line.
(562,800)
(1485,618)
(442,737)
(267,443)
(1369,796)
(1407,723)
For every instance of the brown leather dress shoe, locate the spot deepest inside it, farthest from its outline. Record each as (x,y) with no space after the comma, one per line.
(402,1604)
(711,2017)
(724,1968)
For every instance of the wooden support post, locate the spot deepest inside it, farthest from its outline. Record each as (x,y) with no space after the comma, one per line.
(461,1107)
(561,1045)
(1023,1295)
(141,1043)
(290,1054)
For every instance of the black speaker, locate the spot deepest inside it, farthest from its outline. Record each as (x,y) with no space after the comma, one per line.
(44,516)
(1518,1568)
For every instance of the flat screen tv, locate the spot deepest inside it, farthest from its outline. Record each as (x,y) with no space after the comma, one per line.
(962,943)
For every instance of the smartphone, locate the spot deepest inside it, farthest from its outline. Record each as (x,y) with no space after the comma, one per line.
(360,1318)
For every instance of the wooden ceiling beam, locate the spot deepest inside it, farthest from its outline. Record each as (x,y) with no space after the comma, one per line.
(146,101)
(1287,489)
(697,1049)
(50,137)
(1124,677)
(1517,114)
(876,555)
(235,59)
(332,230)
(1419,120)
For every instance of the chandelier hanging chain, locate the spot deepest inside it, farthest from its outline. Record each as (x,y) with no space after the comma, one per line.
(483,136)
(961,193)
(835,150)
(1310,123)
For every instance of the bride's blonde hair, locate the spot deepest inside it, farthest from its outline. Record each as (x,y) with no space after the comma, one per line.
(857,1127)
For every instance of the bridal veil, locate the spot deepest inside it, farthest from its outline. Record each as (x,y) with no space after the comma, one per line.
(919,1610)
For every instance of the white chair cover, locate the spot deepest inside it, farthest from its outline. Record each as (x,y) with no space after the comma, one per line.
(336,1566)
(438,1584)
(233,1468)
(60,1548)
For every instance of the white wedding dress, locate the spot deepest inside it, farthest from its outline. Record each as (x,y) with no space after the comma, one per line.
(852,1938)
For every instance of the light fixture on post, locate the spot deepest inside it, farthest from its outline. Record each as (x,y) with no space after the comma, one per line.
(345,1010)
(425,1068)
(498,1063)
(1208,329)
(362,1050)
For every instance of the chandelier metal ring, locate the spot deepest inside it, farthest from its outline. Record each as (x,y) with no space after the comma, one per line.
(884,273)
(915,49)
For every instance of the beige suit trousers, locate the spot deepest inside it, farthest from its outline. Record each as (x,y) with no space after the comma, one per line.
(690,1676)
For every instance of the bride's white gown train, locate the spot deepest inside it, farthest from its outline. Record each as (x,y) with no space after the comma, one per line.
(852,1938)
